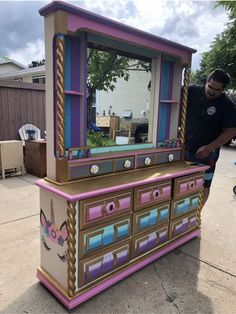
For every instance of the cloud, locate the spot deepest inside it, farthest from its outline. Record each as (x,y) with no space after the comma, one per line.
(192,23)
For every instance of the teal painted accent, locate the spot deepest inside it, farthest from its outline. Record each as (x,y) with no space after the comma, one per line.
(164,214)
(183,206)
(166,94)
(195,201)
(108,235)
(153,217)
(120,148)
(67,87)
(123,230)
(163,112)
(208,176)
(94,242)
(144,222)
(166,79)
(108,42)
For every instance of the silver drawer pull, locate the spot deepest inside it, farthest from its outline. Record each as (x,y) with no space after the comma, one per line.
(94,169)
(127,164)
(147,161)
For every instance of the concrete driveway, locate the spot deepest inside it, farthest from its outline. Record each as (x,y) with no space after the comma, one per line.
(199,277)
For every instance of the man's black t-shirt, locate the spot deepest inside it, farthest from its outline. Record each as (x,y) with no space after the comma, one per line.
(206,119)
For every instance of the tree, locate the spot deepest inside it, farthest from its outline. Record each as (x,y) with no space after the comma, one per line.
(222,53)
(34,64)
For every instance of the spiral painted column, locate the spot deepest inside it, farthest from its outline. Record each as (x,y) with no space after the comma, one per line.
(184,106)
(199,208)
(60,108)
(71,250)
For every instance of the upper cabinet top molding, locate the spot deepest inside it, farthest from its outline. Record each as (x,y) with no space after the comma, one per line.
(80,19)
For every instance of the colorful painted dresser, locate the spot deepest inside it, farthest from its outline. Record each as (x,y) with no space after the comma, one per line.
(105,214)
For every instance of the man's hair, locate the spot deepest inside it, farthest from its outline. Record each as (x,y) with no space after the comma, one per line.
(219,76)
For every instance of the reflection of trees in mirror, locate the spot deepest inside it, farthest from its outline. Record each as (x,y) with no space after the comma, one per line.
(104,68)
(98,139)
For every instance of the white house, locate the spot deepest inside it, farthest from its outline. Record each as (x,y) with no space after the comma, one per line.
(13,70)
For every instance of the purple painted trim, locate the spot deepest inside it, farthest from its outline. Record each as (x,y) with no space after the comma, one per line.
(72,92)
(79,14)
(75,101)
(80,196)
(124,154)
(171,75)
(169,101)
(70,304)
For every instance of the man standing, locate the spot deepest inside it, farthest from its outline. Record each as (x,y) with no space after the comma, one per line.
(211,122)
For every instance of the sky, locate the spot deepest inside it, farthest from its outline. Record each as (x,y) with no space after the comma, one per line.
(191,23)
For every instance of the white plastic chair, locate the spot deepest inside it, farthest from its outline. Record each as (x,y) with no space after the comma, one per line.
(24,132)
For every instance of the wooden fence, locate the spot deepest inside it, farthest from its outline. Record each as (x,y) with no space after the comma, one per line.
(21,103)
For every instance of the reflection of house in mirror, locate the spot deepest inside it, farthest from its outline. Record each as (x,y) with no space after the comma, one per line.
(129,102)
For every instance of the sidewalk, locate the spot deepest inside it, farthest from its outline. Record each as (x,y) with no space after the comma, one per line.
(199,277)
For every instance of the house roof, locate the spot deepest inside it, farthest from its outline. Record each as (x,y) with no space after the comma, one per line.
(40,70)
(13,62)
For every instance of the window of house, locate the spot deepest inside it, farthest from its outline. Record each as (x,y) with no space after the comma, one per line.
(39,79)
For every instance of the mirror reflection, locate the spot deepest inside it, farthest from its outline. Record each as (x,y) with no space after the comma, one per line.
(118,99)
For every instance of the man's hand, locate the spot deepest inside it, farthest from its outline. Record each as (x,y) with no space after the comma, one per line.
(203,152)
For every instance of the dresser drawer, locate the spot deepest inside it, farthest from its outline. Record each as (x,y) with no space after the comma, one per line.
(146,160)
(102,208)
(182,225)
(143,243)
(122,164)
(149,194)
(188,184)
(95,168)
(169,156)
(151,217)
(184,205)
(92,268)
(97,238)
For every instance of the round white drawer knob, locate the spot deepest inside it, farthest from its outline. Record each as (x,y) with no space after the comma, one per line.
(94,169)
(127,164)
(147,161)
(171,157)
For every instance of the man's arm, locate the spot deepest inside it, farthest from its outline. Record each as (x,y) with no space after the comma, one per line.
(223,138)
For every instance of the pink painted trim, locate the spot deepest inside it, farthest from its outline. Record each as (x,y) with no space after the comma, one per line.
(126,34)
(80,196)
(72,92)
(70,304)
(124,154)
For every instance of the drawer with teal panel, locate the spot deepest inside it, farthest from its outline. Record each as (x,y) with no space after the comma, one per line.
(122,164)
(100,237)
(84,170)
(184,205)
(188,184)
(150,240)
(183,225)
(93,267)
(168,156)
(150,194)
(150,217)
(146,160)
(102,208)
